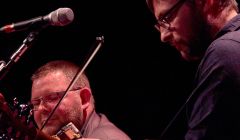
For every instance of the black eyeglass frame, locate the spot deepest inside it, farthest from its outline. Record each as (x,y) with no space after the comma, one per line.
(164,20)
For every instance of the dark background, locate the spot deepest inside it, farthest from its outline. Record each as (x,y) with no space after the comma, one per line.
(137,81)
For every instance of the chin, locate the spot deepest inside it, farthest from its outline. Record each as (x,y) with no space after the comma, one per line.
(50,130)
(188,57)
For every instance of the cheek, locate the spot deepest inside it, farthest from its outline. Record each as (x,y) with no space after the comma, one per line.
(70,112)
(186,28)
(68,107)
(186,24)
(37,118)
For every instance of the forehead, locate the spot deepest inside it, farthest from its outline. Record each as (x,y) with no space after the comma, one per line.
(50,82)
(160,7)
(53,76)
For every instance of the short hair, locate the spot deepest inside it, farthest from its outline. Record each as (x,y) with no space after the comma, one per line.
(224,3)
(69,69)
(234,5)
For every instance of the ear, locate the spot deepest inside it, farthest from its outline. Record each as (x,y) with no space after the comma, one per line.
(211,7)
(85,95)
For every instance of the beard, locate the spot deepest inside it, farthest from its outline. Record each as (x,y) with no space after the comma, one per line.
(74,115)
(202,39)
(195,48)
(50,130)
(198,46)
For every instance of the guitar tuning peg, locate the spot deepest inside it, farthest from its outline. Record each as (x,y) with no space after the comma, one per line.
(23,107)
(18,114)
(4,137)
(30,117)
(15,101)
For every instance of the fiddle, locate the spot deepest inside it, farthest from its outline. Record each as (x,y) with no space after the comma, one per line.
(24,132)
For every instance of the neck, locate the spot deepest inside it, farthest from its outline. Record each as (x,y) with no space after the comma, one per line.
(217,23)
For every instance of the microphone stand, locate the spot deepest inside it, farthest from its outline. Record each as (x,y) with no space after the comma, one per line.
(27,42)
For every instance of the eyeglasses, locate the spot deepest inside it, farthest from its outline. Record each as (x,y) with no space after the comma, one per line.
(52,98)
(164,21)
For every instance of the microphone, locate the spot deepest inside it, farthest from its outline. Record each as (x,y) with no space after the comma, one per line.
(59,17)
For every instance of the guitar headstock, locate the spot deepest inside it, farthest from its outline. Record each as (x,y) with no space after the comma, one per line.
(17,124)
(14,118)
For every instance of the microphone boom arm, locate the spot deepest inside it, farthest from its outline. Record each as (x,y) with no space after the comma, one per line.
(27,42)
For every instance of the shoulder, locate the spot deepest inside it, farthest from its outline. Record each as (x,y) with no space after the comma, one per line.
(108,131)
(226,49)
(226,44)
(223,54)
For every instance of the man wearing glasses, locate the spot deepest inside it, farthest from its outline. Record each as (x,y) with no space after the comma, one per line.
(206,30)
(49,84)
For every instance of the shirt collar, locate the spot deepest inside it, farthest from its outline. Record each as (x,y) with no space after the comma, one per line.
(232,25)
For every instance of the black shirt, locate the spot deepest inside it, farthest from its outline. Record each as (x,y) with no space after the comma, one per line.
(216,112)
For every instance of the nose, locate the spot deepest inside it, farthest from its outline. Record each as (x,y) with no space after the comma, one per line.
(43,106)
(165,35)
